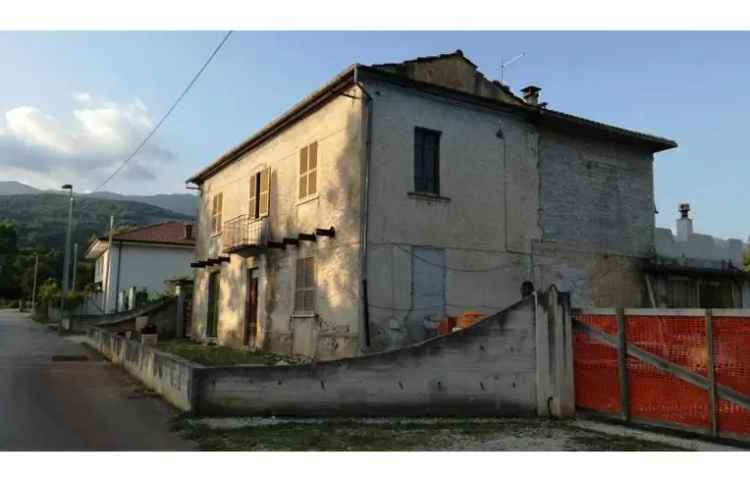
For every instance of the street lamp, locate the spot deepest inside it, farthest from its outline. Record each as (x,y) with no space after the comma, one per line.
(66,263)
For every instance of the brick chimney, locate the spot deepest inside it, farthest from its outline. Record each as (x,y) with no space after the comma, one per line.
(531,95)
(188,231)
(684,223)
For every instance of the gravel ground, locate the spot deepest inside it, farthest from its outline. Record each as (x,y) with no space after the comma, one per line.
(426,434)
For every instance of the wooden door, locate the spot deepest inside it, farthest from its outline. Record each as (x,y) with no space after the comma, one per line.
(213,305)
(251,308)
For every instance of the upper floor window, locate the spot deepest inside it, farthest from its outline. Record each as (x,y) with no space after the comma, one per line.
(304,288)
(426,161)
(308,171)
(260,188)
(216,213)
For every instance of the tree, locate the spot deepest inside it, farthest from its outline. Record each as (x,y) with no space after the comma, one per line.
(747,260)
(8,238)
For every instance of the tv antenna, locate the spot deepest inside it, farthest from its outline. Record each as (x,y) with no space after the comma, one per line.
(504,64)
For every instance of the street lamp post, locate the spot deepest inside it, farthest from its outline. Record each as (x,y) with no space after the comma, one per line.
(66,262)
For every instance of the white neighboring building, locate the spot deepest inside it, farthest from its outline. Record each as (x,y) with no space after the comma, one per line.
(139,260)
(697,270)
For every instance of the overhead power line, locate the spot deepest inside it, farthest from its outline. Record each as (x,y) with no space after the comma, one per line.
(166,115)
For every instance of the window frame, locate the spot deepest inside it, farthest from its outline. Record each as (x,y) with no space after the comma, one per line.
(304,174)
(308,286)
(217,214)
(420,164)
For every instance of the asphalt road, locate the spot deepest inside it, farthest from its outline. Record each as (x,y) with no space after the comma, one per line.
(83,405)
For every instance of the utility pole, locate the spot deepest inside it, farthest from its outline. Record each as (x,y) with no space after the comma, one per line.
(66,262)
(33,290)
(75,266)
(105,278)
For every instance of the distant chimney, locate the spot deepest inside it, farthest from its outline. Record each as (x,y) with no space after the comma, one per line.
(531,95)
(684,223)
(188,231)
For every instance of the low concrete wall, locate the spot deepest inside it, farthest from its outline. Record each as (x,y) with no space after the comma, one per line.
(168,375)
(485,370)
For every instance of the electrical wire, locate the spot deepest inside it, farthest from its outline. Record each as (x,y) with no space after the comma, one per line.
(169,111)
(453,269)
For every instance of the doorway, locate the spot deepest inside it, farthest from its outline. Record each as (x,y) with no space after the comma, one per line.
(251,308)
(213,305)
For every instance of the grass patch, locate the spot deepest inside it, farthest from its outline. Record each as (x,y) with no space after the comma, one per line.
(214,355)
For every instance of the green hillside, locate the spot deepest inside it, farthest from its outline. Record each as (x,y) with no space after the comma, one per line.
(41,219)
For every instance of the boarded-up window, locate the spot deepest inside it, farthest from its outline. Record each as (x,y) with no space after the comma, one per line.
(426,161)
(216,213)
(308,171)
(304,290)
(260,193)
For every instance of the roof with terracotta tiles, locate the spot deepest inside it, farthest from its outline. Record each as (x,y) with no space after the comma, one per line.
(171,232)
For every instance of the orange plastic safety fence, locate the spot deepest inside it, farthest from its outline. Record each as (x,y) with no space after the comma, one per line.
(680,340)
(732,369)
(654,394)
(607,323)
(659,396)
(595,370)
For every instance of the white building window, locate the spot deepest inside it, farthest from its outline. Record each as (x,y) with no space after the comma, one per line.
(304,289)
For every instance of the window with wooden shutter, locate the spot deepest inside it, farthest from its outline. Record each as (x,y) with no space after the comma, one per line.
(216,213)
(308,171)
(304,290)
(264,192)
(253,199)
(426,161)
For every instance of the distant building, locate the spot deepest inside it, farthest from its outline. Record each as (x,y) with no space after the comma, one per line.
(696,270)
(398,194)
(140,261)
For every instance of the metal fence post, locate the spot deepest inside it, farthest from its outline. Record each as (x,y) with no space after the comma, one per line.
(622,363)
(710,367)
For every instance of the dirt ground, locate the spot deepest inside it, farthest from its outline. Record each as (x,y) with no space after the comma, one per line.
(412,434)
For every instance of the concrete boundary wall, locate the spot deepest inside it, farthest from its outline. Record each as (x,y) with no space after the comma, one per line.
(170,376)
(489,369)
(517,362)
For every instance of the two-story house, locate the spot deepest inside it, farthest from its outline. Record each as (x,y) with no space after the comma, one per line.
(400,193)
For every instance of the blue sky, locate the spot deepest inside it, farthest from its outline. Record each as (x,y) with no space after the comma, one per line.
(92,95)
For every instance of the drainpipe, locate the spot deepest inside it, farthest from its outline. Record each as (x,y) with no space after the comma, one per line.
(365,203)
(117,284)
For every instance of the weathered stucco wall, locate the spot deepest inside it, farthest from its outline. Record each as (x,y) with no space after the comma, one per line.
(488,369)
(335,330)
(482,225)
(699,249)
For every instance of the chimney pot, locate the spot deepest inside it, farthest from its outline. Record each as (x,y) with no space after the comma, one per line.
(531,95)
(684,223)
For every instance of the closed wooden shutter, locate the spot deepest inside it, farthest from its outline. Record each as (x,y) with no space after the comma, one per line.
(304,294)
(253,198)
(303,173)
(218,216)
(264,193)
(312,169)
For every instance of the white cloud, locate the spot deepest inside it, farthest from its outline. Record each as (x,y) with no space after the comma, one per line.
(83,149)
(83,97)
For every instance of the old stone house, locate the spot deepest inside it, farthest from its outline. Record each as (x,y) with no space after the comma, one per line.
(400,193)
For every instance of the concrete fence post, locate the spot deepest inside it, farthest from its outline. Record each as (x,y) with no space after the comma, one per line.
(554,345)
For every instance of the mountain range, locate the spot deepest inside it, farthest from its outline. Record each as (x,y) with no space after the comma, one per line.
(183,203)
(40,217)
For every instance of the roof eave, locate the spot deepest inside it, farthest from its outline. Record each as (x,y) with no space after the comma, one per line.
(654,143)
(294,114)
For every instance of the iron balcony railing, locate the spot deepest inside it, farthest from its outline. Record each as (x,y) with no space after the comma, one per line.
(244,232)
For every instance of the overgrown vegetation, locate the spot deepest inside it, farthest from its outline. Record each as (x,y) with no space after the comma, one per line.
(393,434)
(214,355)
(747,260)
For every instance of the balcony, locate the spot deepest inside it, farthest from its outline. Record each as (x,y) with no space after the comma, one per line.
(246,236)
